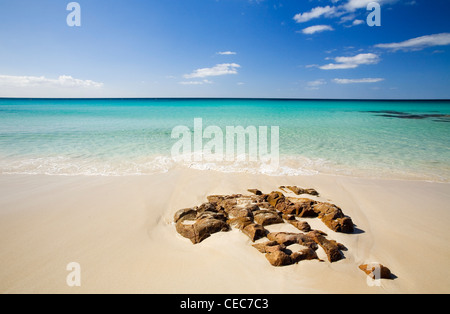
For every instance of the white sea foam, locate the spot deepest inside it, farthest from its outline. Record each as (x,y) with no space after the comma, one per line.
(62,165)
(289,166)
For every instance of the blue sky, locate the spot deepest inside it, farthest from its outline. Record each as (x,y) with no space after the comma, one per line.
(225,48)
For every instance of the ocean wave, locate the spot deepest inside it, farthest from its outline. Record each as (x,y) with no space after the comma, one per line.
(68,166)
(286,166)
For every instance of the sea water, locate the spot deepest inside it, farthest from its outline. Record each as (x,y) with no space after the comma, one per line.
(115,137)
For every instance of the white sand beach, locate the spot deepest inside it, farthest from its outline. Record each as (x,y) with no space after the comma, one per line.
(121,232)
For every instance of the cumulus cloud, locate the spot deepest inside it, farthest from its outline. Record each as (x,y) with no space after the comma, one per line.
(218,70)
(352,62)
(41,81)
(317,29)
(358,81)
(353,5)
(314,13)
(419,43)
(344,9)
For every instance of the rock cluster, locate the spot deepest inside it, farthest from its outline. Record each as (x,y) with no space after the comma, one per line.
(250,214)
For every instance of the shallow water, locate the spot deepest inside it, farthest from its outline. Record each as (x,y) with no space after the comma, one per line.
(395,139)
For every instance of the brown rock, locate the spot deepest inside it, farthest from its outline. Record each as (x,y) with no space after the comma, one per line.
(201,229)
(224,202)
(268,247)
(283,237)
(376,271)
(255,191)
(259,198)
(237,212)
(305,254)
(205,227)
(340,246)
(212,215)
(215,199)
(274,198)
(252,207)
(346,225)
(228,204)
(240,222)
(248,227)
(300,191)
(334,218)
(186,230)
(267,217)
(264,205)
(312,192)
(292,238)
(320,232)
(300,225)
(187,213)
(302,207)
(254,231)
(285,207)
(279,258)
(283,188)
(206,207)
(329,211)
(288,217)
(331,248)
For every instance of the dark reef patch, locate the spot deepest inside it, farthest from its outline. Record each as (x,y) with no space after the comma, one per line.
(411,116)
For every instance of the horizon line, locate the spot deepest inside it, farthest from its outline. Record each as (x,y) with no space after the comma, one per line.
(225,98)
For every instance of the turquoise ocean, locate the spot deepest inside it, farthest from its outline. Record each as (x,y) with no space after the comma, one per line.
(118,137)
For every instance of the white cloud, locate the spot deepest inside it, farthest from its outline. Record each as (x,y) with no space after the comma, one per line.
(314,85)
(218,70)
(317,83)
(363,58)
(347,18)
(358,22)
(314,13)
(342,66)
(195,82)
(317,29)
(358,81)
(419,43)
(226,53)
(352,62)
(353,5)
(347,9)
(41,81)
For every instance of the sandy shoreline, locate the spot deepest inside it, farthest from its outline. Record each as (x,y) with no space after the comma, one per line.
(119,229)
